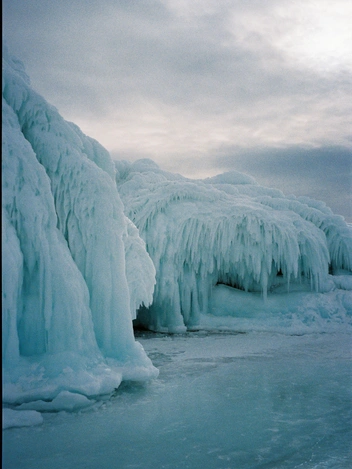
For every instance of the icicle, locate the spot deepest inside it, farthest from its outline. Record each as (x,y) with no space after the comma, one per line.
(224,235)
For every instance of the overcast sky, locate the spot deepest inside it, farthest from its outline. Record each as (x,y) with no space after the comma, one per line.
(202,86)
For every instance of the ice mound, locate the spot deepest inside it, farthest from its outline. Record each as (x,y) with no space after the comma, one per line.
(228,230)
(65,241)
(14,418)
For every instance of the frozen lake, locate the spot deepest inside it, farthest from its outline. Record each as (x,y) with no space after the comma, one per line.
(222,400)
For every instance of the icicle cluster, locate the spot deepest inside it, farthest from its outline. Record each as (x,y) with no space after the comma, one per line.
(225,230)
(65,244)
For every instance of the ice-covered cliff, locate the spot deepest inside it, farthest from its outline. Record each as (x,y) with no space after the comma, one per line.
(228,230)
(70,257)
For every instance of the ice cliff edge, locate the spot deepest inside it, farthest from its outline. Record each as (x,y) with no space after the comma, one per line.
(67,304)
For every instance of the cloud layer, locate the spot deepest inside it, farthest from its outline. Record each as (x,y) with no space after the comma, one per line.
(201,86)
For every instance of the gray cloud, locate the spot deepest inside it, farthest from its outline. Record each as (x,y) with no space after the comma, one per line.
(182,81)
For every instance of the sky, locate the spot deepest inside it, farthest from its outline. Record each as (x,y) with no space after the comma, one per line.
(202,86)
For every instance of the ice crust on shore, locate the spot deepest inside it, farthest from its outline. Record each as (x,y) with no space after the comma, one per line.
(65,239)
(228,230)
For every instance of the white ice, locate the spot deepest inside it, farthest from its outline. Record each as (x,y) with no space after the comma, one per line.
(14,418)
(65,240)
(228,230)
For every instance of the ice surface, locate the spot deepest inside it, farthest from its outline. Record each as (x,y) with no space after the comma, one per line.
(299,312)
(65,400)
(255,400)
(14,418)
(65,239)
(140,270)
(12,264)
(228,230)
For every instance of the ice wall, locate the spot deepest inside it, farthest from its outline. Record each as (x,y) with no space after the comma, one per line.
(66,299)
(226,230)
(47,292)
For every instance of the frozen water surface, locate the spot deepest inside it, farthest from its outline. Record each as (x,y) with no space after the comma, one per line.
(222,400)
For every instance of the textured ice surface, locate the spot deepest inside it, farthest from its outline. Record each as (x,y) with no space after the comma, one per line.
(14,418)
(65,240)
(256,400)
(65,400)
(228,230)
(297,312)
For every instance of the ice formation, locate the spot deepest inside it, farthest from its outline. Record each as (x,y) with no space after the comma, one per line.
(65,241)
(78,264)
(228,230)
